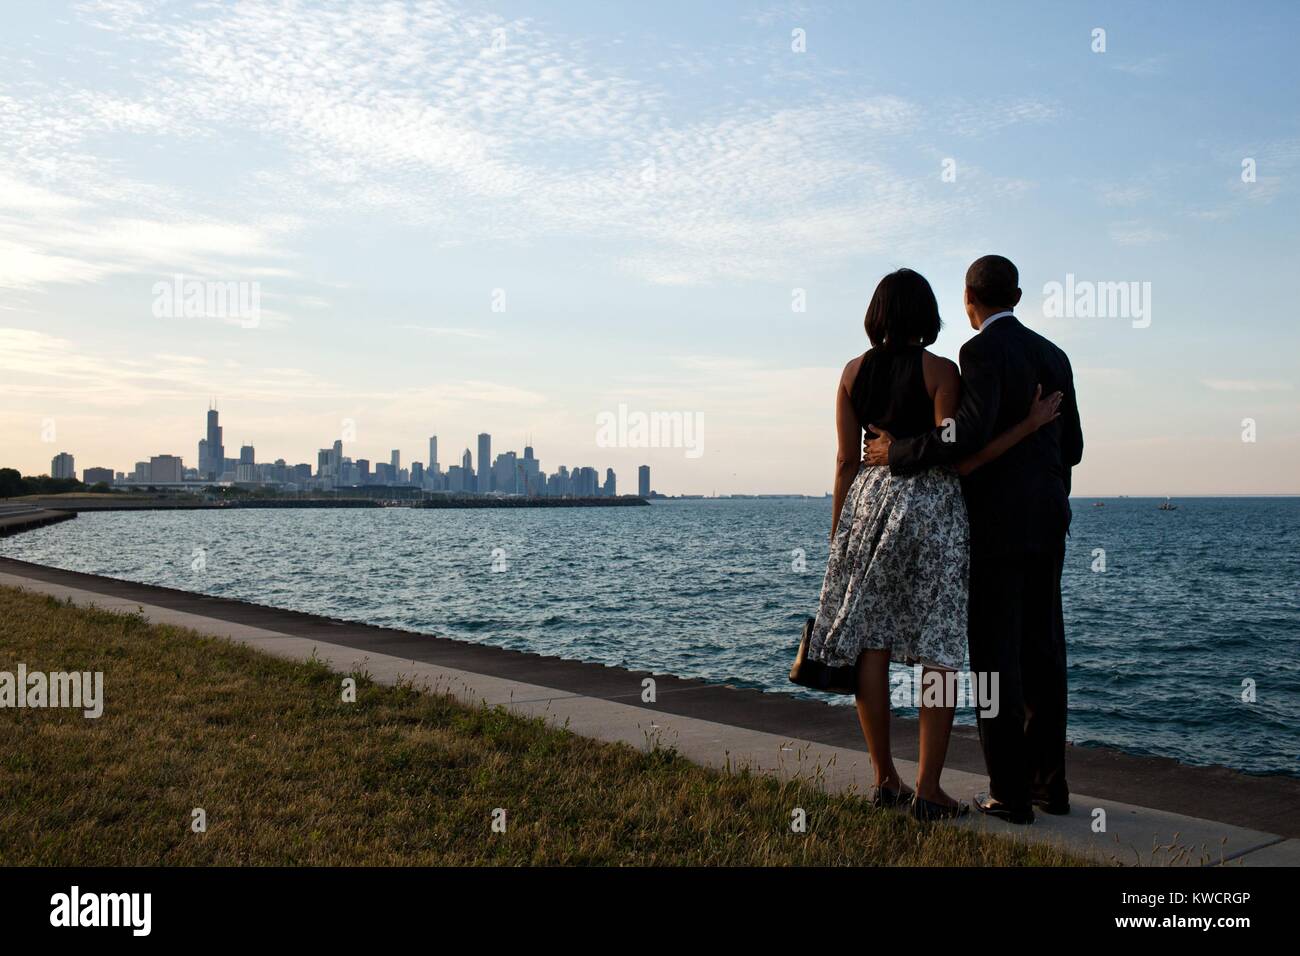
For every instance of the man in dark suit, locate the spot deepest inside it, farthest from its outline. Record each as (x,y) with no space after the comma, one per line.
(1019,515)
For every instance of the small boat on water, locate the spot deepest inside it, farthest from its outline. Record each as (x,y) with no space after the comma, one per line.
(1099,504)
(1167,506)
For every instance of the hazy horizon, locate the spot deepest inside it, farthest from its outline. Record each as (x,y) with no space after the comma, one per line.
(514,219)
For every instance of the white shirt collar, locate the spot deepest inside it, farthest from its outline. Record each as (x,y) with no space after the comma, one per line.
(993,318)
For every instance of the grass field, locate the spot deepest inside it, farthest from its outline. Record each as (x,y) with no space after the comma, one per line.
(288,773)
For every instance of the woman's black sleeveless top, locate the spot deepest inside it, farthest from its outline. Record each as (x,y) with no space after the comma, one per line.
(890,392)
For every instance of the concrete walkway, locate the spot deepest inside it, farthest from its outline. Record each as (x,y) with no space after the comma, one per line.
(719,726)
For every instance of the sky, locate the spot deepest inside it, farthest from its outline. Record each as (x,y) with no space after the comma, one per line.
(519,217)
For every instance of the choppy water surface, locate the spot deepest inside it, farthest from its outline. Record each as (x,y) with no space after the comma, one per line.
(1192,602)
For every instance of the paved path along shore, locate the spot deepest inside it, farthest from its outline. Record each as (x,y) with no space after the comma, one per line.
(1157,811)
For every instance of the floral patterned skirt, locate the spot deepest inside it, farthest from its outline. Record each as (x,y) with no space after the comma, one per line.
(898,573)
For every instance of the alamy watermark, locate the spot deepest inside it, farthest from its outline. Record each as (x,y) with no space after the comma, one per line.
(635,429)
(75,908)
(1085,299)
(919,687)
(78,690)
(190,298)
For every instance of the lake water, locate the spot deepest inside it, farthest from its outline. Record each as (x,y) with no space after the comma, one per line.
(1192,602)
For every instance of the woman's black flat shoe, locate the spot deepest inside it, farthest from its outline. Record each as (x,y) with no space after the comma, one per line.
(886,799)
(925,811)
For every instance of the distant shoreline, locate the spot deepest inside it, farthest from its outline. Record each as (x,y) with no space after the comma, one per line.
(80,503)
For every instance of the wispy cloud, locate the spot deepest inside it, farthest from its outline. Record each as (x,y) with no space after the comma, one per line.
(42,366)
(1136,233)
(1138,66)
(1245,385)
(1128,195)
(443,331)
(480,128)
(984,117)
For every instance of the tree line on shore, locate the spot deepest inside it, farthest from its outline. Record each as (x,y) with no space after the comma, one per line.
(14,484)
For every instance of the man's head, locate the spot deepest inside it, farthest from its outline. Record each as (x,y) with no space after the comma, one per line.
(992,286)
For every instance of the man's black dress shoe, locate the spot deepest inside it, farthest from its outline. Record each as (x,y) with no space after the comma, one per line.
(1003,811)
(1056,806)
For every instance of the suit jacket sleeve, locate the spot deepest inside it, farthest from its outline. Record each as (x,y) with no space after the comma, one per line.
(1071,427)
(981,394)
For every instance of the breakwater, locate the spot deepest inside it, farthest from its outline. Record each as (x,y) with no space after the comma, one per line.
(476,502)
(15,520)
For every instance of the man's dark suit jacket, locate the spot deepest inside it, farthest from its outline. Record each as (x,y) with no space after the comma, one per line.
(1018,503)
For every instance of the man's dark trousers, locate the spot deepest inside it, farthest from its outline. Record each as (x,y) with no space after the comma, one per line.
(1018,632)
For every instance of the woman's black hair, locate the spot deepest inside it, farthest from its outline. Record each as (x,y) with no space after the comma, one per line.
(903,310)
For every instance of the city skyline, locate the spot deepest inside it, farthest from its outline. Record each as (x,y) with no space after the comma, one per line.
(513,222)
(507,473)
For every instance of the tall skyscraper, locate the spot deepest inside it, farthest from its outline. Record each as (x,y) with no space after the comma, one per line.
(62,465)
(246,456)
(467,471)
(643,481)
(506,474)
(586,483)
(396,462)
(484,463)
(212,453)
(456,477)
(533,480)
(611,484)
(433,454)
(562,483)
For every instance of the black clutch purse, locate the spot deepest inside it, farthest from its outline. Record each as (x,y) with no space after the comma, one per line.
(819,676)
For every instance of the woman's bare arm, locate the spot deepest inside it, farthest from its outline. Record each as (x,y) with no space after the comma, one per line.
(848,432)
(1041,411)
(943,381)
